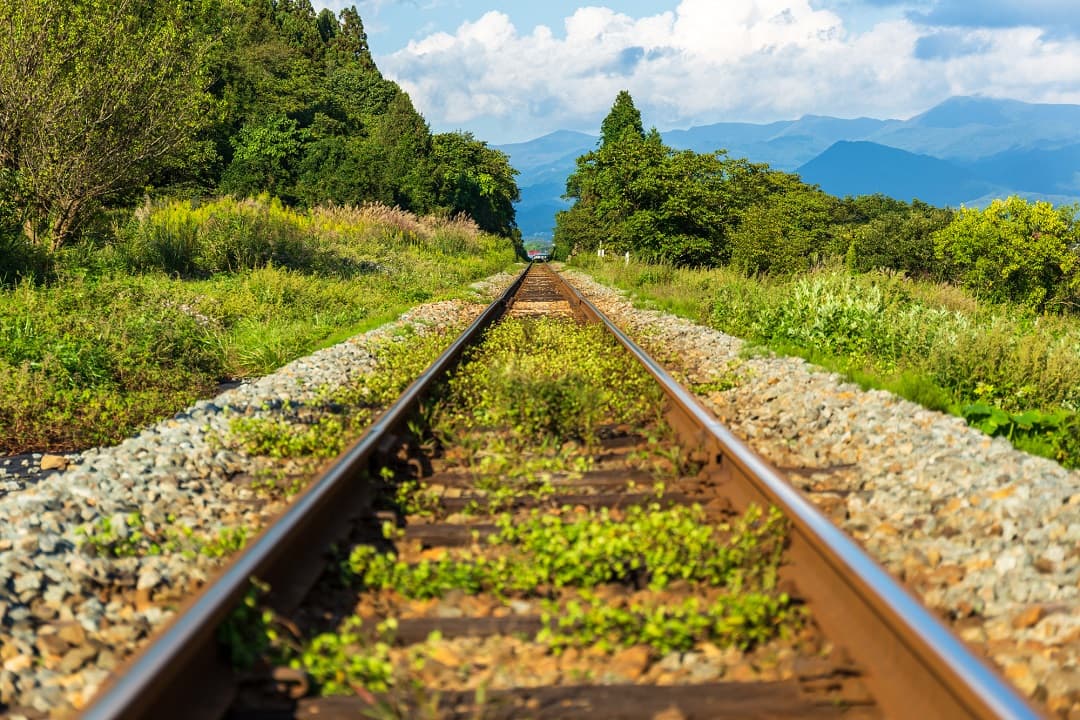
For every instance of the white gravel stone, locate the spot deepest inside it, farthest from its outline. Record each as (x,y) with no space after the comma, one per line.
(909,484)
(174,474)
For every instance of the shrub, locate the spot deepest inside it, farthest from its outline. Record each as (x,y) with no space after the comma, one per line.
(225,235)
(1015,251)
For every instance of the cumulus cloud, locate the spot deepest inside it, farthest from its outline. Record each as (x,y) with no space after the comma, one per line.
(740,59)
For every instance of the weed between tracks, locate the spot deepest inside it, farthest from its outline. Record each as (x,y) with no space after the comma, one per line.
(528,411)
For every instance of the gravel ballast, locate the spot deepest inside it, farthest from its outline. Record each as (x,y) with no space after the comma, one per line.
(986,535)
(69,615)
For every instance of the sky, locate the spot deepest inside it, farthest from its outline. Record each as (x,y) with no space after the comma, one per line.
(513,71)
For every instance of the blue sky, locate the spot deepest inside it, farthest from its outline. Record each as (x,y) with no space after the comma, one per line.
(514,71)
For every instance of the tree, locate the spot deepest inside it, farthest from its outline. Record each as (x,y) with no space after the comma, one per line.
(474,179)
(352,39)
(402,141)
(635,194)
(327,25)
(264,157)
(896,239)
(783,233)
(93,94)
(623,117)
(1028,253)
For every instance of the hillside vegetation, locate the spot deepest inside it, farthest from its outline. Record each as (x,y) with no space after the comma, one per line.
(970,311)
(198,191)
(102,102)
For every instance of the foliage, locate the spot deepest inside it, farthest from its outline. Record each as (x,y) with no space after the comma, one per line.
(881,234)
(343,662)
(224,235)
(624,118)
(264,153)
(575,377)
(649,546)
(785,232)
(248,632)
(400,359)
(1052,434)
(278,438)
(282,433)
(133,535)
(475,180)
(741,620)
(1027,253)
(93,94)
(635,194)
(309,118)
(102,101)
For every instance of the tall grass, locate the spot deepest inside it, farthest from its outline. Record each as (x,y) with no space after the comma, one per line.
(227,235)
(193,293)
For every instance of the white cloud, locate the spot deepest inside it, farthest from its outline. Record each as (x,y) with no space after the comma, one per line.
(740,59)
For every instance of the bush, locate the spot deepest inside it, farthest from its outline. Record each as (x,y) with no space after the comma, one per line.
(1017,252)
(901,240)
(785,234)
(225,235)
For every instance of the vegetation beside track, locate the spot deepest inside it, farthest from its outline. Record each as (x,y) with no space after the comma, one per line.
(1008,371)
(192,294)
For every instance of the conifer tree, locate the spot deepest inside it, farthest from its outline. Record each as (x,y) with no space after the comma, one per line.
(624,116)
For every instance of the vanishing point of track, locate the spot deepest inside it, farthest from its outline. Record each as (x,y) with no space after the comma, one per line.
(911,664)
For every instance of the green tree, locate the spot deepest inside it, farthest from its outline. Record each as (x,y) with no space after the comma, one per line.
(402,143)
(475,179)
(352,39)
(783,233)
(623,117)
(896,239)
(634,193)
(93,94)
(1028,253)
(264,157)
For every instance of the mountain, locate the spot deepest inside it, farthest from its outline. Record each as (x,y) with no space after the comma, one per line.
(536,211)
(548,158)
(1034,170)
(984,148)
(969,128)
(784,145)
(860,168)
(548,148)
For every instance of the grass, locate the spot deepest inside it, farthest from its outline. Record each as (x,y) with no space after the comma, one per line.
(931,343)
(129,331)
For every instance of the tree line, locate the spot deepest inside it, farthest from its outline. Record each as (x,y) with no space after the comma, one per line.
(633,193)
(104,101)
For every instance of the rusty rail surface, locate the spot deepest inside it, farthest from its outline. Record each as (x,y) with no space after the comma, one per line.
(913,665)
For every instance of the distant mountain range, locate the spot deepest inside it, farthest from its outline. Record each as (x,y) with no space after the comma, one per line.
(966,150)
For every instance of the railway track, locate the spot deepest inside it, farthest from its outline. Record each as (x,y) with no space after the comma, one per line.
(867,649)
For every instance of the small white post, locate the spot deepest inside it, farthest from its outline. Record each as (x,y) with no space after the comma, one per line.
(627,257)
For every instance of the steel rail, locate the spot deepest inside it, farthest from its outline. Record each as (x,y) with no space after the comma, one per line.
(915,667)
(149,686)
